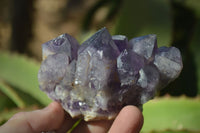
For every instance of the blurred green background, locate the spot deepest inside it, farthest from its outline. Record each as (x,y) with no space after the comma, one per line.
(25,25)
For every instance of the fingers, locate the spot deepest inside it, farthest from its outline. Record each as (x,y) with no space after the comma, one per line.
(93,127)
(47,119)
(129,120)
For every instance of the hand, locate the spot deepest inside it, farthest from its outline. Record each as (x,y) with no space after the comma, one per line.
(53,118)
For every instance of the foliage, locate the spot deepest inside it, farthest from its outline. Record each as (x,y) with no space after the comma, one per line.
(177,114)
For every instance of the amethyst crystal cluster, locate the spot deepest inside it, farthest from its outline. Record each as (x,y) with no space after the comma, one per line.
(96,79)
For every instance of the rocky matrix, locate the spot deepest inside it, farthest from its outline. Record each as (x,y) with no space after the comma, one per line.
(96,79)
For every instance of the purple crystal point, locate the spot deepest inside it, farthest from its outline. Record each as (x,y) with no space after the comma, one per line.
(101,40)
(169,63)
(62,44)
(128,64)
(144,45)
(171,53)
(95,60)
(97,79)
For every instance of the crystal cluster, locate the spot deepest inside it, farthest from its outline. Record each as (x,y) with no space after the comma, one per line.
(96,79)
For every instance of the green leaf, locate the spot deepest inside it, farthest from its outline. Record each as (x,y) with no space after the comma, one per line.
(172,113)
(21,72)
(12,94)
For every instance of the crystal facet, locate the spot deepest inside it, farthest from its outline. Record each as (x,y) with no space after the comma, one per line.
(97,79)
(144,45)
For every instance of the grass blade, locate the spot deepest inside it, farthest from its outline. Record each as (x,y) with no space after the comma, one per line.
(7,90)
(74,126)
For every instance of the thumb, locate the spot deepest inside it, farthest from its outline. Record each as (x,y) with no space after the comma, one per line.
(47,119)
(129,120)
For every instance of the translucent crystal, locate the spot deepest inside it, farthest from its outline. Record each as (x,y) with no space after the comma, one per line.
(98,78)
(128,64)
(62,44)
(169,64)
(144,45)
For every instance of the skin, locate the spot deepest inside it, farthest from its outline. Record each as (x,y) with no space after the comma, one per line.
(53,118)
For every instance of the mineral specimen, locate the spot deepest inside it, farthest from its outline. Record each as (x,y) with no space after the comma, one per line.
(98,78)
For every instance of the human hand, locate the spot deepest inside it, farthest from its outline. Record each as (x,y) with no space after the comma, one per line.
(53,118)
